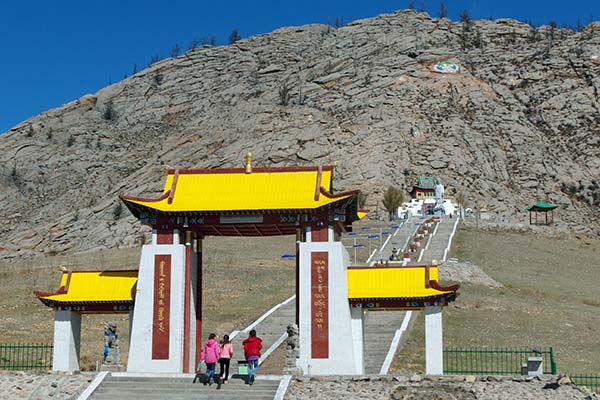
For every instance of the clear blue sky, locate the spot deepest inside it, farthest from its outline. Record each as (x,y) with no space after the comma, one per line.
(53,52)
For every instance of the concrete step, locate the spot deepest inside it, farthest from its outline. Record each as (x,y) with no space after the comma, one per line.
(379,331)
(181,388)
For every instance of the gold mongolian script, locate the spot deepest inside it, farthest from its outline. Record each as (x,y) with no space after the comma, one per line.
(319,282)
(162,302)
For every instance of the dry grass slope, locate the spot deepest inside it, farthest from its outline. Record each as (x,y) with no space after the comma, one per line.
(243,278)
(550,298)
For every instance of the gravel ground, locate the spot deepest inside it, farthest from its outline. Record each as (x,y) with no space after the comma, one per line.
(42,386)
(440,388)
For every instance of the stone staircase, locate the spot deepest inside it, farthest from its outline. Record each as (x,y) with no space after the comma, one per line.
(146,388)
(439,241)
(269,330)
(379,330)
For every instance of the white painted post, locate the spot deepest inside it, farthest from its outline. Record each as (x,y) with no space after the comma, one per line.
(341,359)
(142,329)
(357,315)
(434,355)
(67,337)
(130,325)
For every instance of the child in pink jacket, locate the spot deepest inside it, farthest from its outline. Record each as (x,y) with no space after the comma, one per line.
(225,358)
(210,355)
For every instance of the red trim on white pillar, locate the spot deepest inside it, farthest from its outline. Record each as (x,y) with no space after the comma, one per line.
(187,308)
(199,302)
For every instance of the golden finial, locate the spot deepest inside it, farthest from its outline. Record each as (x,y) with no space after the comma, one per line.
(249,162)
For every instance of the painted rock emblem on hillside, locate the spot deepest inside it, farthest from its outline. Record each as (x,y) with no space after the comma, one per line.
(445,67)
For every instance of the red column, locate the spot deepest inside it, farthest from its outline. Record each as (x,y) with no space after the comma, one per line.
(199,301)
(298,240)
(187,301)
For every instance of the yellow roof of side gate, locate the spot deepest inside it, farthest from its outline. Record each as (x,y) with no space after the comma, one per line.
(298,188)
(390,282)
(83,287)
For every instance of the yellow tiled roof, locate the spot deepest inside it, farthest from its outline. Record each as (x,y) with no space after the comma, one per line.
(94,286)
(234,190)
(392,282)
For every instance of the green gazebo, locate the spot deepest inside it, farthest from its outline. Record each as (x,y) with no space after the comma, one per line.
(541,208)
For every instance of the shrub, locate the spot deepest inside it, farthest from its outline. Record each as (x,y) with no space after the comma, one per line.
(157,78)
(117,210)
(284,94)
(109,111)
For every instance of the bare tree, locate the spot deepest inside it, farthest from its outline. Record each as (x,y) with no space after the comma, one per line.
(154,59)
(422,6)
(362,199)
(175,51)
(443,10)
(465,18)
(234,36)
(392,199)
(206,41)
(411,5)
(194,43)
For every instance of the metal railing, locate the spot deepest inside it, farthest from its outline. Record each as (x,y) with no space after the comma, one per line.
(494,361)
(592,382)
(22,356)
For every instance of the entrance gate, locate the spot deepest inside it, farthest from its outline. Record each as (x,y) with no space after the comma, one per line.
(166,327)
(167,321)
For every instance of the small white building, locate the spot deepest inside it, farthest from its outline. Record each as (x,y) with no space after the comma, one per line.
(410,209)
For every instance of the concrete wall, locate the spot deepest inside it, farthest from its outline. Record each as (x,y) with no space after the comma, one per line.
(67,337)
(140,352)
(345,342)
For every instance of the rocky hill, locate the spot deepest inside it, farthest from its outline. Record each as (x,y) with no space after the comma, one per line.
(518,124)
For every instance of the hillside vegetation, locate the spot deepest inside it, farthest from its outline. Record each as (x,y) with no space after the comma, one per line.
(517,124)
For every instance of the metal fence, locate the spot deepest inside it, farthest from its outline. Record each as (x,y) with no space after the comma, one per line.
(592,382)
(25,356)
(494,361)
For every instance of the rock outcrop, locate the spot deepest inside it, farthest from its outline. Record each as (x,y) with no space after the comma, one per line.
(518,124)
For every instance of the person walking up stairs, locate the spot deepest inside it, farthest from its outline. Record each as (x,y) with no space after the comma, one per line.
(252,346)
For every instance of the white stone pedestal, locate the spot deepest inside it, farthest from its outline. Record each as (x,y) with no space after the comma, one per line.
(67,336)
(434,354)
(338,350)
(155,298)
